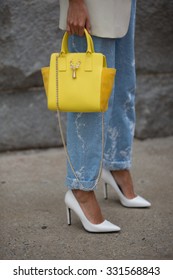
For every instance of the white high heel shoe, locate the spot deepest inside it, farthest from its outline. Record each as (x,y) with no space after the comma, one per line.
(72,203)
(138,201)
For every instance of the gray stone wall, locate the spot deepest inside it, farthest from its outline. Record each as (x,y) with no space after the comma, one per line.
(29,34)
(154,62)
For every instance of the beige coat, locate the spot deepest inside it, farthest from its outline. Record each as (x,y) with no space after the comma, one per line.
(109,18)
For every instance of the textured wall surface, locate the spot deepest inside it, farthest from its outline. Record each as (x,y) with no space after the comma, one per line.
(29,34)
(154,62)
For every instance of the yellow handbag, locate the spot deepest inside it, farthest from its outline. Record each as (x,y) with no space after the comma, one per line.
(78,82)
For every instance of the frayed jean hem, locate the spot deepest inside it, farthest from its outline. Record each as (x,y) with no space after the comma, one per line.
(116,165)
(73,184)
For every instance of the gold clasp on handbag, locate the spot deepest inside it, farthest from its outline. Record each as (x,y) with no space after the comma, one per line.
(74,67)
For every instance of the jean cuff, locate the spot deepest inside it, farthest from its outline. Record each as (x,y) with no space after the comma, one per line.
(119,165)
(73,184)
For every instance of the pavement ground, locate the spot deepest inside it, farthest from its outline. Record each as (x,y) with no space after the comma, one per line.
(33,215)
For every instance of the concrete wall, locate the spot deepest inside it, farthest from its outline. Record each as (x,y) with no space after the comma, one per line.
(29,34)
(154,61)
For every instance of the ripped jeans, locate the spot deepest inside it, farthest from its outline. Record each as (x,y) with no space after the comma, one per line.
(84,130)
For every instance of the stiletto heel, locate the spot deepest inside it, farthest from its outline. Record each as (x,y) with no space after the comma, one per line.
(72,204)
(138,201)
(105,190)
(68,216)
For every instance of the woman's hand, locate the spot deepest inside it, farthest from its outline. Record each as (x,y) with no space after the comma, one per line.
(77,18)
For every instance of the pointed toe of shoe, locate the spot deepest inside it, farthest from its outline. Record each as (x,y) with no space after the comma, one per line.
(142,202)
(104,227)
(138,202)
(110,227)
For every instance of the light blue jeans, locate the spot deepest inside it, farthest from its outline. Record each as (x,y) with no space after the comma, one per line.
(84,130)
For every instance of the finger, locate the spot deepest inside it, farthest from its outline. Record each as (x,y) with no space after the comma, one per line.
(81,31)
(71,27)
(74,29)
(68,29)
(88,26)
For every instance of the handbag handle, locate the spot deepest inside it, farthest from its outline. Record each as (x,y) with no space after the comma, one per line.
(90,45)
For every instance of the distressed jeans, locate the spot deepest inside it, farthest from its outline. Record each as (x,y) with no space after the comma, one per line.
(84,130)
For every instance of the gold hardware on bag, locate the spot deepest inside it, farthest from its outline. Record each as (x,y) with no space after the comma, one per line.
(74,67)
